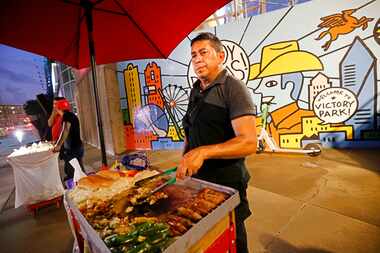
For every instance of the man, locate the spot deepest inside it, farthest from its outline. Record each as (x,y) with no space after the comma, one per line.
(69,143)
(219,127)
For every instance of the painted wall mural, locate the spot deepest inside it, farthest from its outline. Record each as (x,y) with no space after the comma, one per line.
(313,66)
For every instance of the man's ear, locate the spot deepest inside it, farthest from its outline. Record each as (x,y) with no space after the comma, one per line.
(222,55)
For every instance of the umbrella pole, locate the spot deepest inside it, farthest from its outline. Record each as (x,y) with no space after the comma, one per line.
(88,12)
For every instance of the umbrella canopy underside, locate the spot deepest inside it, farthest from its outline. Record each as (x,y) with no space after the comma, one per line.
(122,29)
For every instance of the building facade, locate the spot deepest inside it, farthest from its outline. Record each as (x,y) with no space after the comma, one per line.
(12,115)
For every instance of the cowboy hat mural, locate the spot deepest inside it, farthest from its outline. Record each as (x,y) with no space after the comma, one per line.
(280,78)
(284,57)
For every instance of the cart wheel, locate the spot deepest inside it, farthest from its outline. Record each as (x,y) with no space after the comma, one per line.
(260,147)
(315,147)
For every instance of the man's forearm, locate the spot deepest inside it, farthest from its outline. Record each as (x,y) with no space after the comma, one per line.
(238,147)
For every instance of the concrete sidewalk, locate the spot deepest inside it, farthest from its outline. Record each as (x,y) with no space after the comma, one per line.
(300,204)
(329,203)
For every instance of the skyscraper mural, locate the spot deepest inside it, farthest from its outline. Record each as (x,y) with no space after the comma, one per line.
(357,70)
(319,77)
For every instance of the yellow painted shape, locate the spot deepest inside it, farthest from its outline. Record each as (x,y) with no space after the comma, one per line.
(311,125)
(347,129)
(132,85)
(289,140)
(271,52)
(290,62)
(172,133)
(254,71)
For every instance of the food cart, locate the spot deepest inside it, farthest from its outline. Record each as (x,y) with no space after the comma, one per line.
(213,232)
(36,176)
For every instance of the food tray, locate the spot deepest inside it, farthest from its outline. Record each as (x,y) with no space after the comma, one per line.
(182,243)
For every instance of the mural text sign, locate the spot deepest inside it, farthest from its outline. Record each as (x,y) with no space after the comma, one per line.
(335,105)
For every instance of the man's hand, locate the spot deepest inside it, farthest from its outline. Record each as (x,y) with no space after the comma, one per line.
(191,162)
(56,148)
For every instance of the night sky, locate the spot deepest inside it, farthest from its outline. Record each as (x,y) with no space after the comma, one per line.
(21,75)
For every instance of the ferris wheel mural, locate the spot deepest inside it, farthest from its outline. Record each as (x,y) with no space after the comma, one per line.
(176,99)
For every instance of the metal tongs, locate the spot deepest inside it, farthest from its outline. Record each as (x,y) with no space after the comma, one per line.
(170,181)
(166,172)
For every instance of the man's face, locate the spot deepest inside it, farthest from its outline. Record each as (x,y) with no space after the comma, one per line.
(205,59)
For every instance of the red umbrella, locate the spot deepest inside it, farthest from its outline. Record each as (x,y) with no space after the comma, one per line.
(71,31)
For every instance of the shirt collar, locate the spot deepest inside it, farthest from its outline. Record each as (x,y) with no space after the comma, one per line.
(221,78)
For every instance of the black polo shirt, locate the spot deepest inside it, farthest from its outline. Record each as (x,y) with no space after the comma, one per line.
(208,121)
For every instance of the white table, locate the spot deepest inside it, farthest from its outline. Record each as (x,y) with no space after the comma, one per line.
(36,177)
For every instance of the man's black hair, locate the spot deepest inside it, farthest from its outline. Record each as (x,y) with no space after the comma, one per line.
(215,41)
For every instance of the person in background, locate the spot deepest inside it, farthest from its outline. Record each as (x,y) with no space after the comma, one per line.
(69,143)
(55,121)
(220,128)
(38,111)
